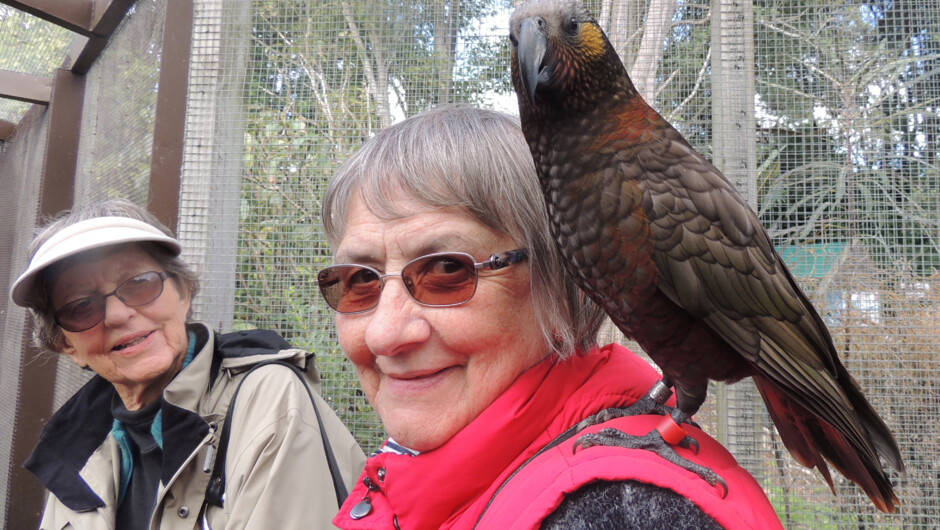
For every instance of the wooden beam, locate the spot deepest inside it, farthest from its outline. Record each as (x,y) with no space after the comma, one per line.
(108,14)
(65,124)
(166,161)
(6,130)
(73,15)
(85,17)
(34,396)
(25,87)
(85,49)
(83,53)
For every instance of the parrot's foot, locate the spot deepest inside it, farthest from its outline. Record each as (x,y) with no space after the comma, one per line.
(651,403)
(659,441)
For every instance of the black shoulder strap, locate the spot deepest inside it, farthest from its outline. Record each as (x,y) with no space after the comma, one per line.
(215,491)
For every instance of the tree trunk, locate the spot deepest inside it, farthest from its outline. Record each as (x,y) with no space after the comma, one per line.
(624,23)
(445,46)
(374,64)
(659,16)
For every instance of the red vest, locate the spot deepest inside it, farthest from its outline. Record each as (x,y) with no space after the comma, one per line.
(451,486)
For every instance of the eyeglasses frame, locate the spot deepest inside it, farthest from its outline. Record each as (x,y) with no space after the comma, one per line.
(104,297)
(497,261)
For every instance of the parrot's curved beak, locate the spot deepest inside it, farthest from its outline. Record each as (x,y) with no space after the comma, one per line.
(529,52)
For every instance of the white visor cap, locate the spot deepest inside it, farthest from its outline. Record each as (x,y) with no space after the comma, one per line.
(79,237)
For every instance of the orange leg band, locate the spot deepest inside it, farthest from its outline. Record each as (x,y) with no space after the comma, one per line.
(671,431)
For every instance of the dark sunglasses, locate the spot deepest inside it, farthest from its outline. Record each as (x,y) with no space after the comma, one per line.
(85,313)
(440,280)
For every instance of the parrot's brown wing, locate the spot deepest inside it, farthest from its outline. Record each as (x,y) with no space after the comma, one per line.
(717,262)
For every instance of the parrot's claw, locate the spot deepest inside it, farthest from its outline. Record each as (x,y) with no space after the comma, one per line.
(722,487)
(653,441)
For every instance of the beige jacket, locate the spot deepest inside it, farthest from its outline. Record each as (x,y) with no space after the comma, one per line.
(276,472)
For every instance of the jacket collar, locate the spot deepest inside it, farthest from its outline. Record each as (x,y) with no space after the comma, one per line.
(464,472)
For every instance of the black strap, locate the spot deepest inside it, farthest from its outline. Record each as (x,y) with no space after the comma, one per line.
(216,489)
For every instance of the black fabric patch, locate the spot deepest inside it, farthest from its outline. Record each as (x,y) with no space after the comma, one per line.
(69,439)
(251,342)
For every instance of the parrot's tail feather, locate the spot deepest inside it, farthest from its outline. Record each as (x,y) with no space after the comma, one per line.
(813,442)
(884,441)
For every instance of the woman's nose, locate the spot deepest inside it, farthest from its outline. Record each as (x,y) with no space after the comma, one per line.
(397,323)
(116,311)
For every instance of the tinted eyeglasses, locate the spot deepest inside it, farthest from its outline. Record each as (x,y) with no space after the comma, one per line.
(85,313)
(440,280)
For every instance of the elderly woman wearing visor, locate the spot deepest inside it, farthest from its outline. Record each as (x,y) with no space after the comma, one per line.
(479,354)
(138,446)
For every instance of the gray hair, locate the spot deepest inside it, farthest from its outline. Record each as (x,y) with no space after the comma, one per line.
(47,336)
(475,160)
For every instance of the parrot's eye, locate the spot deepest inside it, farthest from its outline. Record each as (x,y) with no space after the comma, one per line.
(572,26)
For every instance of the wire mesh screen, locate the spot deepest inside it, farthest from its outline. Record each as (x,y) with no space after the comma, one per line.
(844,105)
(309,107)
(9,365)
(211,172)
(847,167)
(19,201)
(823,113)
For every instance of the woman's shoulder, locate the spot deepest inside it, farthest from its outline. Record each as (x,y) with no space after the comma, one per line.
(274,387)
(627,504)
(602,482)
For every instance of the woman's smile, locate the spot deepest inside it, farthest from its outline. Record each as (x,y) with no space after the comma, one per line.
(417,382)
(134,343)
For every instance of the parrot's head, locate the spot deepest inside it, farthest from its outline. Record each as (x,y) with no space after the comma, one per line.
(561,57)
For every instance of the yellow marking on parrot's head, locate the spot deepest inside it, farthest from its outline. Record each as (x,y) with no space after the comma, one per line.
(592,40)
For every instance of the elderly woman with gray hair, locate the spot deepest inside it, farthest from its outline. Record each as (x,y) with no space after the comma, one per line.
(180,427)
(480,355)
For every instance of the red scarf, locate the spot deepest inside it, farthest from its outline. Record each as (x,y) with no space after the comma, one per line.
(453,483)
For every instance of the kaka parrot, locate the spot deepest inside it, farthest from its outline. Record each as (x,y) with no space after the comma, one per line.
(656,235)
